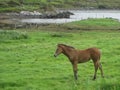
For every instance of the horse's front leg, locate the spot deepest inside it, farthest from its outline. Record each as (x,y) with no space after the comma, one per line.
(75,70)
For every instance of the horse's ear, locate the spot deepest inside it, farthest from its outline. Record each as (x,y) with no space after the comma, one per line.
(58,45)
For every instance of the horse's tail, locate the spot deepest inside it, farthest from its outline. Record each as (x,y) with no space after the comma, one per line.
(100,51)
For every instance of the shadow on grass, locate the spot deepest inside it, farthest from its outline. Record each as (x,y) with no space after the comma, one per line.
(110,86)
(60,35)
(11,84)
(56,78)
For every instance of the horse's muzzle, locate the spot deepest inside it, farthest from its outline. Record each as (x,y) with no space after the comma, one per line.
(55,55)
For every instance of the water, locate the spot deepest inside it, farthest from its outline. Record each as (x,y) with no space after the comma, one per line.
(79,15)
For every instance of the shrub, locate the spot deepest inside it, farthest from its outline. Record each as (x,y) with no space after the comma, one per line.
(12,35)
(102,7)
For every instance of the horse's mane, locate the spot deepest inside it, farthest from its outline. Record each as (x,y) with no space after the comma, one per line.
(67,46)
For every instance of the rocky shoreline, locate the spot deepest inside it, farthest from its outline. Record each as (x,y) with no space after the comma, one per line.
(35,14)
(8,20)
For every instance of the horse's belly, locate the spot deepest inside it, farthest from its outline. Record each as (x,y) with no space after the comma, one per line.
(82,60)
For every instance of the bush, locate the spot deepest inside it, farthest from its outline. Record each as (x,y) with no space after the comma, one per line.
(102,7)
(12,35)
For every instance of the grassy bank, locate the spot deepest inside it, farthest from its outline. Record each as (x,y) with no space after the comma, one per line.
(87,24)
(95,24)
(43,5)
(28,63)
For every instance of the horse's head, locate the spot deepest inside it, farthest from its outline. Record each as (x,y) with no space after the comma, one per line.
(58,51)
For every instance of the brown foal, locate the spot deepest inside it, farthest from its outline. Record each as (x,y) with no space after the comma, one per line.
(80,56)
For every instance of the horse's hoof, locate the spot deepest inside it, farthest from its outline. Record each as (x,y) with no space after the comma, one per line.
(94,78)
(76,79)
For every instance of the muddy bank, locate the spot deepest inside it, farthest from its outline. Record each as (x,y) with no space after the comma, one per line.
(15,24)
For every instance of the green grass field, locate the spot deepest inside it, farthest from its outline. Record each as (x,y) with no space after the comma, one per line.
(27,61)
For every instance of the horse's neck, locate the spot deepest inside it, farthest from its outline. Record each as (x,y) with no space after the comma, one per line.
(68,52)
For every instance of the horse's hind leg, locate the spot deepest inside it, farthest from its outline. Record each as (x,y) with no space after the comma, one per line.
(96,68)
(100,67)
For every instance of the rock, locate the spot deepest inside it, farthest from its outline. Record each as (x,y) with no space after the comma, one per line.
(58,15)
(35,14)
(30,13)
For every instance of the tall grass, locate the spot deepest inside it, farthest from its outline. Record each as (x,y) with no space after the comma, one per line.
(12,35)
